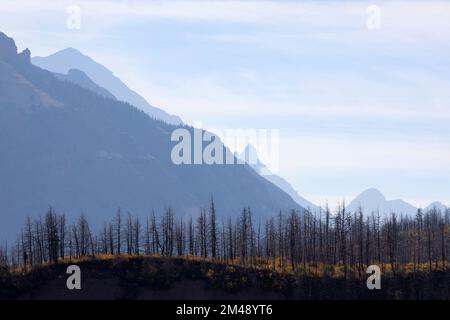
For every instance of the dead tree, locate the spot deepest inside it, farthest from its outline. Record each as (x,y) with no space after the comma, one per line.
(213,229)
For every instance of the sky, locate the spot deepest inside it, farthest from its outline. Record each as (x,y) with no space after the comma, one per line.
(359,91)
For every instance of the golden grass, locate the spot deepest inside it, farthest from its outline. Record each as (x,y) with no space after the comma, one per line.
(276,265)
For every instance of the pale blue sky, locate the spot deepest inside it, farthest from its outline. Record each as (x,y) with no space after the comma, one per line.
(356,108)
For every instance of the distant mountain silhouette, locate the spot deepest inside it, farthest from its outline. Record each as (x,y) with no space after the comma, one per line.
(80,78)
(66,146)
(436,205)
(250,156)
(70,58)
(372,200)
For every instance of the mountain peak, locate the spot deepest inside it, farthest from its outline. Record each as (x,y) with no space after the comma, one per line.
(372,200)
(250,154)
(8,51)
(372,193)
(25,56)
(8,48)
(71,51)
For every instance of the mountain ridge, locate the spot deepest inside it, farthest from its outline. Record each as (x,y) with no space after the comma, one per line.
(80,78)
(68,147)
(70,58)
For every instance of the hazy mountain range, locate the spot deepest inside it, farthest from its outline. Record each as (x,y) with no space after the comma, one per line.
(79,151)
(372,200)
(105,82)
(68,140)
(65,60)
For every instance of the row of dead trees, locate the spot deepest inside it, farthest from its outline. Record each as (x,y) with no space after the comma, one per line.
(288,241)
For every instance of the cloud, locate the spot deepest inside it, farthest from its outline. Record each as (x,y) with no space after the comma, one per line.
(420,96)
(321,15)
(389,152)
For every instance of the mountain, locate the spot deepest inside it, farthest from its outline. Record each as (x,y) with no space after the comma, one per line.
(80,78)
(65,60)
(66,146)
(436,205)
(250,156)
(372,200)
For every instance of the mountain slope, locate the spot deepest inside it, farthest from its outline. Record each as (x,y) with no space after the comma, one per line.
(67,59)
(250,156)
(80,78)
(65,146)
(372,200)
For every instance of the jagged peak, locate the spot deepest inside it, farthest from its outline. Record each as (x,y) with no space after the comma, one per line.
(25,55)
(8,51)
(250,154)
(8,48)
